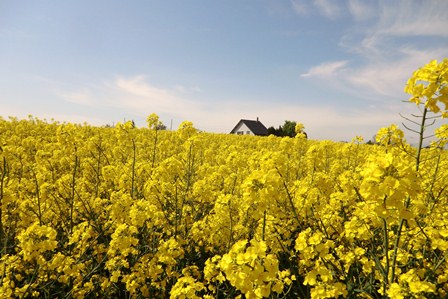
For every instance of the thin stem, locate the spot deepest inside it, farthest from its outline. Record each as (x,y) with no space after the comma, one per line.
(410,120)
(409,129)
(421,138)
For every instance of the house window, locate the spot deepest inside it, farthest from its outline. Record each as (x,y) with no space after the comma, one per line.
(240,133)
(247,132)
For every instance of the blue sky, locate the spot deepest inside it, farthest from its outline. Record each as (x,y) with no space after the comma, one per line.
(337,66)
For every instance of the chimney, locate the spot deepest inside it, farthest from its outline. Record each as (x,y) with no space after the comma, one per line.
(257,119)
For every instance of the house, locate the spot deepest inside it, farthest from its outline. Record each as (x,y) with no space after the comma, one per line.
(250,127)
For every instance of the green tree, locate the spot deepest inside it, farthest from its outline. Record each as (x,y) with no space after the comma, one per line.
(274,131)
(289,128)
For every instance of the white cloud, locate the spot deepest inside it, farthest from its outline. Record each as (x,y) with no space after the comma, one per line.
(326,69)
(137,86)
(299,6)
(132,96)
(389,77)
(81,97)
(185,90)
(378,79)
(136,93)
(413,18)
(361,10)
(328,8)
(385,53)
(394,24)
(137,96)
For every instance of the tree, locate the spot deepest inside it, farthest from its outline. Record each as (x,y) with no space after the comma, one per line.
(289,128)
(274,131)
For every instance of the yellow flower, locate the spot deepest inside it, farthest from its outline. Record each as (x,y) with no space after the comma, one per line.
(35,240)
(428,85)
(421,287)
(395,291)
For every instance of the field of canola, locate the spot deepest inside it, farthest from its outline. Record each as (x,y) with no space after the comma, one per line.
(125,212)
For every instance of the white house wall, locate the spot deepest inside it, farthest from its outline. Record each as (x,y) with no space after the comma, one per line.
(244,129)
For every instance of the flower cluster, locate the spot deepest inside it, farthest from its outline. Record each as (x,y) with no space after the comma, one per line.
(429,86)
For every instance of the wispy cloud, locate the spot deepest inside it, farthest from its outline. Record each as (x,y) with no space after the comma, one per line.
(362,10)
(388,77)
(185,89)
(325,69)
(413,18)
(81,97)
(137,95)
(328,8)
(137,86)
(132,95)
(299,6)
(380,62)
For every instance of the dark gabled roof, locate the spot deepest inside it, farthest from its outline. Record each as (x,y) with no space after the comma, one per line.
(254,125)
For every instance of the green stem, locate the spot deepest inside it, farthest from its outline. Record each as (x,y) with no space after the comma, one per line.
(421,138)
